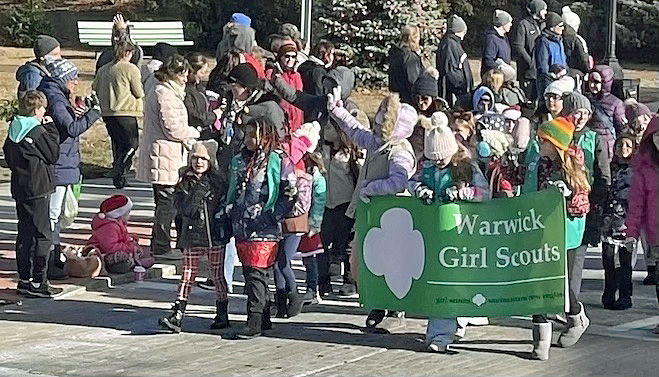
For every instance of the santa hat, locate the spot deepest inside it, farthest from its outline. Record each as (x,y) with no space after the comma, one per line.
(512,113)
(115,207)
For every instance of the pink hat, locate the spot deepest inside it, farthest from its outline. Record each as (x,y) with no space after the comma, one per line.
(512,113)
(115,207)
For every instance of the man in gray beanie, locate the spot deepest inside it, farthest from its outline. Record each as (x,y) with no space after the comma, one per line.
(496,44)
(526,32)
(30,74)
(455,76)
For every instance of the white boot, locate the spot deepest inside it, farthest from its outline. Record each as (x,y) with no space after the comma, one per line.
(541,341)
(576,326)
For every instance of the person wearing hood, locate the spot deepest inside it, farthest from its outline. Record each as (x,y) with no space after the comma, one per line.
(166,138)
(120,33)
(30,74)
(496,44)
(455,76)
(608,110)
(528,30)
(31,150)
(239,35)
(405,64)
(639,116)
(161,53)
(390,160)
(643,213)
(314,69)
(286,62)
(483,100)
(71,123)
(576,49)
(549,50)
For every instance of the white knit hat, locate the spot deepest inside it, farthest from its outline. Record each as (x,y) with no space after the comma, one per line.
(311,131)
(497,140)
(561,86)
(439,141)
(571,18)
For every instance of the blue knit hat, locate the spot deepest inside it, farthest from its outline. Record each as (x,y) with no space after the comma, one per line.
(62,70)
(241,19)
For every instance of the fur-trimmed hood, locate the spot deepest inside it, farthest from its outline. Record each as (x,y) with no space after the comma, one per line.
(395,120)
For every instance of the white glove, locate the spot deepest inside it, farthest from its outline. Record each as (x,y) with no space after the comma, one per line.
(426,194)
(562,187)
(452,193)
(466,193)
(364,197)
(313,232)
(334,99)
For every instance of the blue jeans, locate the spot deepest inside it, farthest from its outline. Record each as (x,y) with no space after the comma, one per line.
(311,266)
(284,275)
(441,331)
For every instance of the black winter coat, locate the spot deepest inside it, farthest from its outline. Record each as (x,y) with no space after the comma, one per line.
(494,47)
(523,42)
(577,58)
(312,73)
(405,66)
(455,76)
(199,116)
(32,161)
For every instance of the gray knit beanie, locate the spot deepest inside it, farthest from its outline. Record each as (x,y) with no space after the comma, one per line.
(536,6)
(456,24)
(44,44)
(575,101)
(501,17)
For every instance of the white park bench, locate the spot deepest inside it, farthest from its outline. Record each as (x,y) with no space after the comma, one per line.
(99,33)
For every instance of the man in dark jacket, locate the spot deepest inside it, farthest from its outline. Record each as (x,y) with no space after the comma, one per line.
(70,123)
(496,45)
(31,149)
(314,69)
(455,76)
(549,50)
(30,74)
(523,41)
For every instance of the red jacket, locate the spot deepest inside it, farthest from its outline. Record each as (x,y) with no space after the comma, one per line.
(295,115)
(111,235)
(260,71)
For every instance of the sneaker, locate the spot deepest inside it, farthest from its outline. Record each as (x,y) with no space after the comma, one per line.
(43,290)
(347,290)
(170,255)
(310,297)
(22,287)
(441,348)
(208,285)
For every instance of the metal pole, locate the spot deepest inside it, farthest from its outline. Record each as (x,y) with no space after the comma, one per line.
(306,22)
(610,58)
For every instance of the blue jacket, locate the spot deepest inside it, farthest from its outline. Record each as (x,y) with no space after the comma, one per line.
(67,168)
(549,50)
(29,76)
(495,47)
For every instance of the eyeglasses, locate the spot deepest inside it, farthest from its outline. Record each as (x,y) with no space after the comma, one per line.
(290,56)
(553,97)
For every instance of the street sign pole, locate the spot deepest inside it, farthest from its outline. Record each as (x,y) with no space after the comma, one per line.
(305,24)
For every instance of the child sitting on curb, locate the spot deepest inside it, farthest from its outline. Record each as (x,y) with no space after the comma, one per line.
(110,236)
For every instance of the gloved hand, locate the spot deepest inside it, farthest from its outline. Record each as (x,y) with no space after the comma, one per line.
(424,193)
(562,187)
(92,102)
(334,99)
(363,196)
(466,193)
(631,243)
(452,193)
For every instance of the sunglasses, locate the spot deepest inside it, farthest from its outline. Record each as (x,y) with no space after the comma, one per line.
(290,56)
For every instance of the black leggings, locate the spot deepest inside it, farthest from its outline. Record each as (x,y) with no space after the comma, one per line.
(124,137)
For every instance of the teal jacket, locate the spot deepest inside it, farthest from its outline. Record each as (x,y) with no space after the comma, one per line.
(318,200)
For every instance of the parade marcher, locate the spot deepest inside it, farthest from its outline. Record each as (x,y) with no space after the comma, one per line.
(405,64)
(549,50)
(455,75)
(71,122)
(618,257)
(163,150)
(31,151)
(30,74)
(448,174)
(120,92)
(196,103)
(496,45)
(259,177)
(576,49)
(642,214)
(390,160)
(524,36)
(561,163)
(198,198)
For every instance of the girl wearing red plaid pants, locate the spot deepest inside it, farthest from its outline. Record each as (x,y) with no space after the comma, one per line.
(196,198)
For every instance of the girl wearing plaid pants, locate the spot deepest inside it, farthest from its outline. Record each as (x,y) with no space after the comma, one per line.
(196,198)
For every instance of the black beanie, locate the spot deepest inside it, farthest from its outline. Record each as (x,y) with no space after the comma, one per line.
(553,19)
(426,84)
(245,75)
(163,51)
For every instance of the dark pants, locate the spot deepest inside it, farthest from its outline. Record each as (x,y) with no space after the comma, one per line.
(34,239)
(284,275)
(161,239)
(124,137)
(256,288)
(311,266)
(530,89)
(336,234)
(616,279)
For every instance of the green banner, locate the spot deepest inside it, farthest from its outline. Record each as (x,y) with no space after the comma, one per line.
(498,258)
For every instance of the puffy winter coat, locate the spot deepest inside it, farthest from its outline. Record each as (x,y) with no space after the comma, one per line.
(608,110)
(405,66)
(111,235)
(549,50)
(166,133)
(643,211)
(523,43)
(67,168)
(455,76)
(495,46)
(29,76)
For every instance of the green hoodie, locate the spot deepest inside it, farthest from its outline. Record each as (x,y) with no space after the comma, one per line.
(21,126)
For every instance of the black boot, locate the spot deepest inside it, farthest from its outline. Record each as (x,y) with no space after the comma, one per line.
(54,271)
(281,304)
(651,279)
(295,303)
(173,321)
(375,317)
(253,327)
(221,320)
(266,323)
